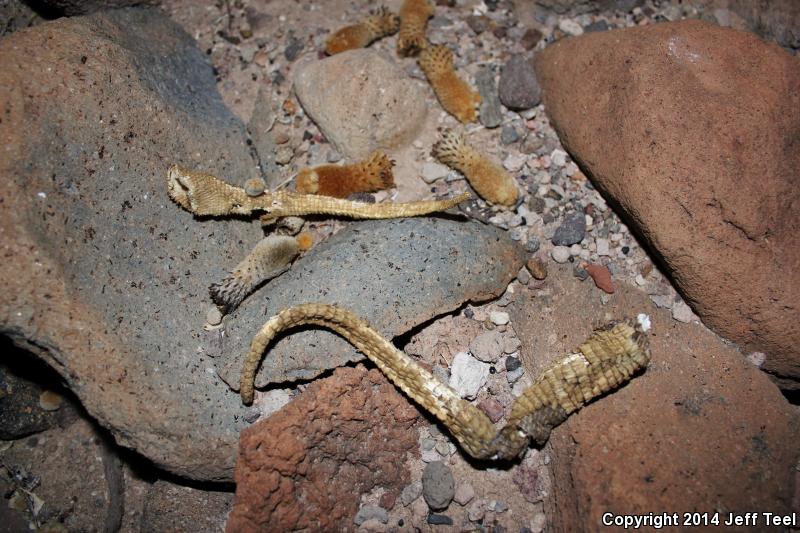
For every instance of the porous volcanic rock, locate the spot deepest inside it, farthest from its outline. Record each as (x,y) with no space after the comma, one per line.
(701,428)
(103,276)
(361,101)
(691,129)
(307,465)
(396,273)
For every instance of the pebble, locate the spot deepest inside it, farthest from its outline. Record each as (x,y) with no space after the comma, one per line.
(443,448)
(572,230)
(558,157)
(663,301)
(487,346)
(427,444)
(440,22)
(682,312)
(467,375)
(530,38)
(433,171)
(213,316)
(284,154)
(499,318)
(579,272)
(537,268)
(570,27)
(560,254)
(464,494)
(518,87)
(509,134)
(490,113)
(439,520)
(50,401)
(371,512)
(514,375)
(493,409)
(513,363)
(438,485)
(523,276)
(601,277)
(476,511)
(497,506)
(531,144)
(478,23)
(511,344)
(411,493)
(597,25)
(515,162)
(602,247)
(293,49)
(532,246)
(333,156)
(254,187)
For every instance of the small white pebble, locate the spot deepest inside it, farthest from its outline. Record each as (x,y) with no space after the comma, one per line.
(757,358)
(570,27)
(560,254)
(499,318)
(640,281)
(644,321)
(213,316)
(558,157)
(575,249)
(515,162)
(603,247)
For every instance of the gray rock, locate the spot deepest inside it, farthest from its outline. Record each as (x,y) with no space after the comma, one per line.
(532,246)
(464,494)
(439,22)
(478,23)
(371,512)
(438,485)
(509,134)
(518,86)
(397,273)
(432,171)
(560,254)
(116,272)
(467,375)
(361,101)
(293,49)
(572,230)
(513,363)
(487,346)
(491,115)
(411,493)
(439,520)
(597,25)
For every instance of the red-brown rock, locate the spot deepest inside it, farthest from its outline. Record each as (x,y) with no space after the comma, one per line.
(701,429)
(692,130)
(308,464)
(601,277)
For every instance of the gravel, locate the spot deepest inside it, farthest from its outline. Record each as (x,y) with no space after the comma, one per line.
(572,229)
(467,375)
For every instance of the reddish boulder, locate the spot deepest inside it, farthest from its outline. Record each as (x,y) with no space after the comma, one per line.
(700,430)
(692,131)
(307,465)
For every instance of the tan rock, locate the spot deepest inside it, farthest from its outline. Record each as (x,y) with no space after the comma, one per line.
(307,465)
(692,130)
(361,101)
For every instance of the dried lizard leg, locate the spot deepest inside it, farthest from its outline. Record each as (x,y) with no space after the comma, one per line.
(488,178)
(606,360)
(269,258)
(380,23)
(207,195)
(414,17)
(455,95)
(340,181)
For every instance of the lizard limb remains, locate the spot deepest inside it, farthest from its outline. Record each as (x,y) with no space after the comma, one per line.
(605,361)
(414,17)
(489,179)
(455,95)
(207,195)
(270,257)
(380,23)
(340,181)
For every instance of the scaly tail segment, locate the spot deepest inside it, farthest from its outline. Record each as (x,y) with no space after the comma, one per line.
(609,358)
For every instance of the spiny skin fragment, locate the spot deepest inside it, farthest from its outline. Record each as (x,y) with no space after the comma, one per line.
(380,23)
(455,95)
(605,361)
(340,181)
(489,179)
(207,195)
(269,258)
(414,17)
